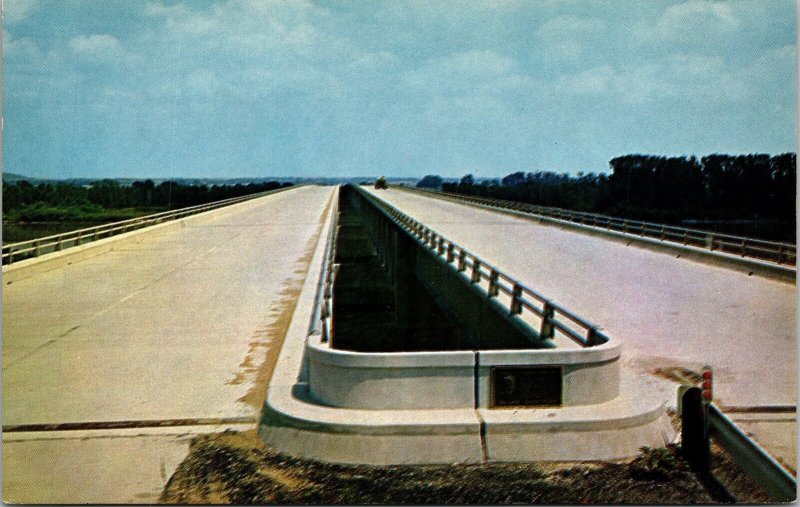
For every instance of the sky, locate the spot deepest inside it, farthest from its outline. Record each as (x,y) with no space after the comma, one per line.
(246,88)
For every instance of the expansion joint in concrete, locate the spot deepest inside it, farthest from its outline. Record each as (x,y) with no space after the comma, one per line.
(108,425)
(476,376)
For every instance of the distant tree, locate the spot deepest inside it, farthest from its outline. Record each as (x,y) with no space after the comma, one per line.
(784,185)
(430,181)
(467,181)
(514,179)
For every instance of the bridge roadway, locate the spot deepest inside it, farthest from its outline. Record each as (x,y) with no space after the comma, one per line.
(177,326)
(668,312)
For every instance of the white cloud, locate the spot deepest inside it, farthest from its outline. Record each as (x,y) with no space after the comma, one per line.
(374,61)
(567,36)
(159,9)
(22,49)
(592,81)
(15,11)
(569,26)
(462,71)
(697,20)
(778,59)
(96,46)
(678,77)
(203,81)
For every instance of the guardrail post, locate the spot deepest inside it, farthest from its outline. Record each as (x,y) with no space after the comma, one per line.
(462,260)
(323,315)
(695,446)
(450,253)
(711,242)
(592,337)
(440,249)
(476,272)
(36,248)
(59,242)
(744,247)
(781,255)
(493,289)
(663,233)
(625,226)
(516,297)
(547,329)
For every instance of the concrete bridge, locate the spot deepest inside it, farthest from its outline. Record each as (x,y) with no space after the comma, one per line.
(114,356)
(667,311)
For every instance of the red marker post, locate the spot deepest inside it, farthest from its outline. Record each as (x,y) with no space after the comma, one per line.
(707,385)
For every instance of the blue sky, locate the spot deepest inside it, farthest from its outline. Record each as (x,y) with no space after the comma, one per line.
(201,88)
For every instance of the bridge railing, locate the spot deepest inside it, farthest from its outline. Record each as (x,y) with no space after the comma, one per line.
(21,250)
(772,251)
(518,298)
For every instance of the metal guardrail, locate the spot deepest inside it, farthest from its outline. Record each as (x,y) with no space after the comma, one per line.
(330,268)
(553,317)
(771,251)
(14,252)
(703,421)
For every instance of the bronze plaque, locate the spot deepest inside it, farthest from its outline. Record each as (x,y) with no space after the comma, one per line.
(526,386)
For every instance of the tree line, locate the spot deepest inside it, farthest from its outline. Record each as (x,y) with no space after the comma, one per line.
(740,194)
(25,202)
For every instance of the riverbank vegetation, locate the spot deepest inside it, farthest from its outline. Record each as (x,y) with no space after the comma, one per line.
(31,211)
(752,195)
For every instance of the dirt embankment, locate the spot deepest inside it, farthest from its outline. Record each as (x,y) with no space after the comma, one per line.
(236,468)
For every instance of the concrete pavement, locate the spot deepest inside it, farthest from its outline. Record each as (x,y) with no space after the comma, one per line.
(180,323)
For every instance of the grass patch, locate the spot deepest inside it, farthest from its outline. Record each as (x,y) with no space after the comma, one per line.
(236,468)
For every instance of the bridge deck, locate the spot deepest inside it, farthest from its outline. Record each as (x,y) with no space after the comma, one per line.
(175,324)
(668,312)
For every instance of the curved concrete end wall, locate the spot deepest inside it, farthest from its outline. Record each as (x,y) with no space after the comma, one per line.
(293,424)
(589,376)
(588,444)
(400,380)
(441,380)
